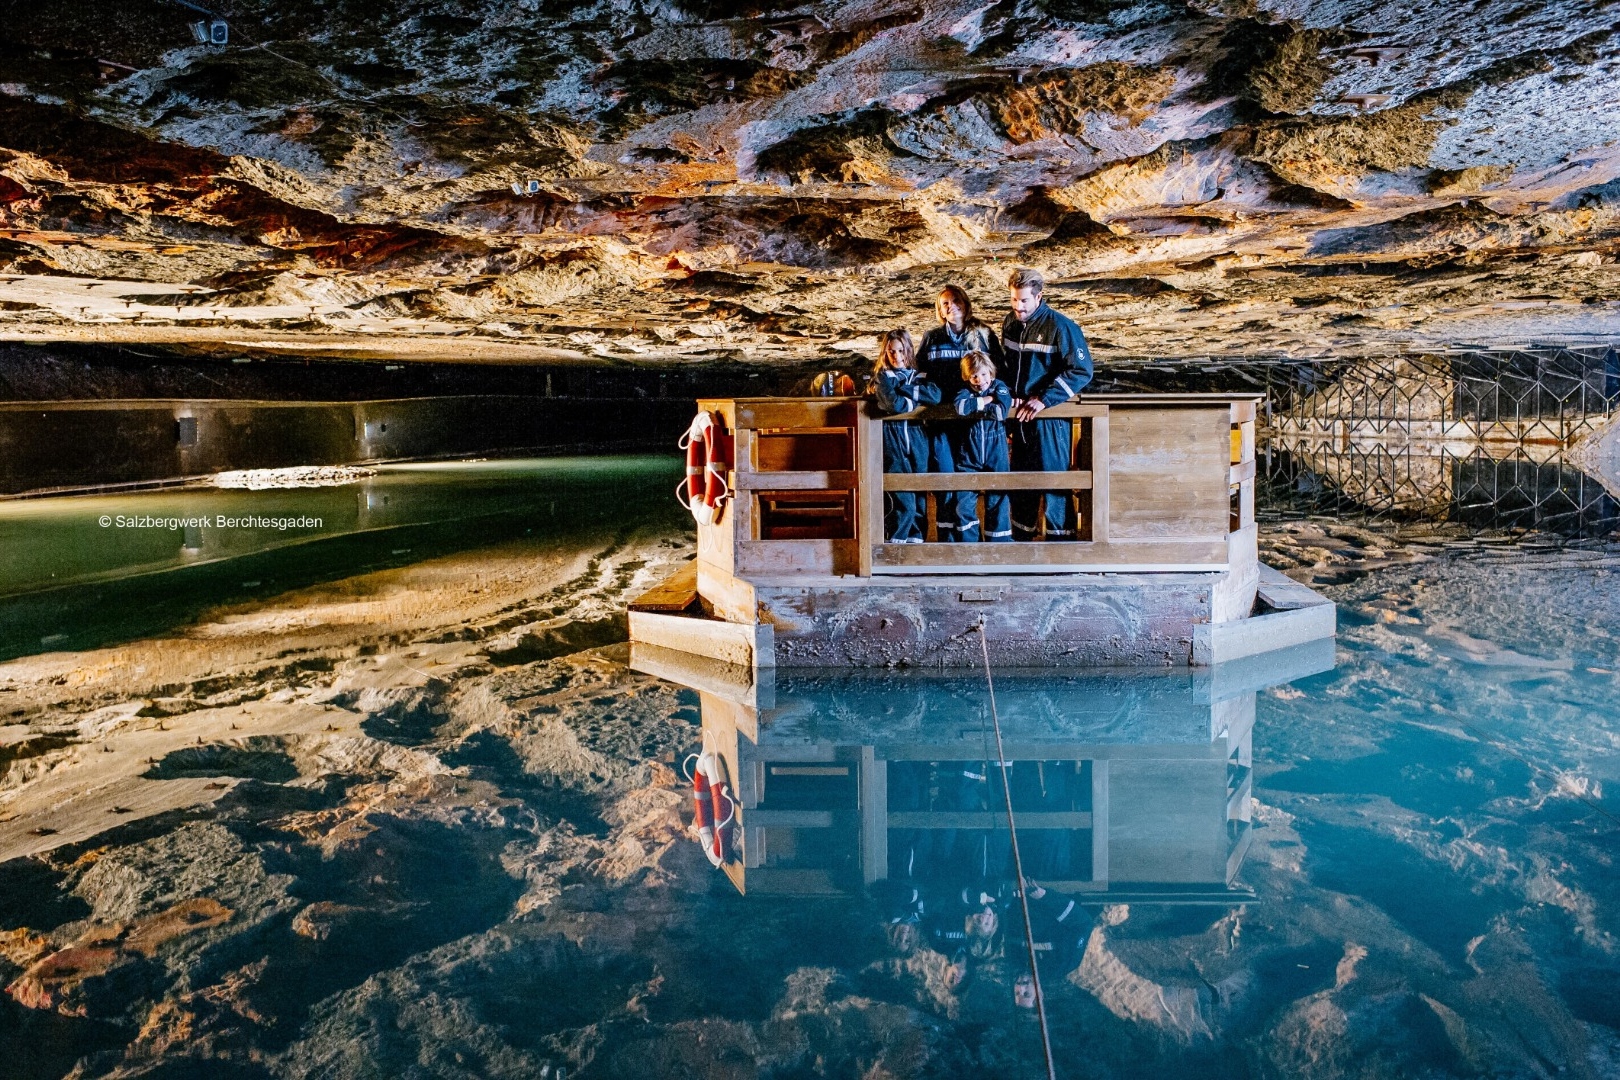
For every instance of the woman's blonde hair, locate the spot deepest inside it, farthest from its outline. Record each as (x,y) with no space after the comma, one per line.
(895,343)
(976,361)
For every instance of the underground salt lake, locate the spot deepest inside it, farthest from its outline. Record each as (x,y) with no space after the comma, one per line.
(394,798)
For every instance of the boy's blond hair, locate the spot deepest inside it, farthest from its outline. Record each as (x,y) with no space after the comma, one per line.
(976,361)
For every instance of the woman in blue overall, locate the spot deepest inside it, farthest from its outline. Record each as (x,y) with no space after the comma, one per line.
(940,358)
(899,388)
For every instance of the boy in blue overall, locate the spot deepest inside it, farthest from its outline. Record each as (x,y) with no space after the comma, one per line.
(1047,362)
(900,388)
(939,356)
(987,402)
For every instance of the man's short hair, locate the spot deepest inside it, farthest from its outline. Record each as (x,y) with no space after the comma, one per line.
(1026,279)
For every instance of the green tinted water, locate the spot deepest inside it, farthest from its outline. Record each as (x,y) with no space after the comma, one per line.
(80,572)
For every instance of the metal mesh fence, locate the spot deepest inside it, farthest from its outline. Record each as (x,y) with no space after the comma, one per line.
(1474,437)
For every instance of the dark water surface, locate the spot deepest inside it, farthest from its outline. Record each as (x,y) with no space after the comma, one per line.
(85,571)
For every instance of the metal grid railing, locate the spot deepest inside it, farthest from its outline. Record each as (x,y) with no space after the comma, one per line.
(1474,491)
(1473,437)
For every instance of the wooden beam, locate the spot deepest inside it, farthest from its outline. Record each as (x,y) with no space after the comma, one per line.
(1101,470)
(1099,819)
(793,481)
(969,745)
(795,412)
(1066,480)
(869,495)
(874,816)
(988,819)
(1204,553)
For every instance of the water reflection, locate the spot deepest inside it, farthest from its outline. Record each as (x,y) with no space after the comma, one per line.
(1127,787)
(1489,441)
(82,571)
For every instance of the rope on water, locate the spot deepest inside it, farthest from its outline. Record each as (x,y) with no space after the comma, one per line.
(1018,862)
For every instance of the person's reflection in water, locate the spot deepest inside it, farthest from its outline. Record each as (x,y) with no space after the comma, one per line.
(970,924)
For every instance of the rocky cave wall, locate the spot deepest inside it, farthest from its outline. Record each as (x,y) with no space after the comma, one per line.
(775,182)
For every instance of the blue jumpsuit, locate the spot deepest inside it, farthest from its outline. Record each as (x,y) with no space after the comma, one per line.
(940,358)
(1046,358)
(984,449)
(905,449)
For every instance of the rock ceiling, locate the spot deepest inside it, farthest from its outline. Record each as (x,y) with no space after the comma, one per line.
(775,182)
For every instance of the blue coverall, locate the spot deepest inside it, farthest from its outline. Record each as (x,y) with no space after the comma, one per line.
(984,449)
(1047,358)
(940,358)
(905,449)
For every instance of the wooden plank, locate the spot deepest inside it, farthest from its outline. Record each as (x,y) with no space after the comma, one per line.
(1067,411)
(874,816)
(1241,472)
(1168,472)
(801,450)
(795,412)
(1100,465)
(988,819)
(731,598)
(790,819)
(1099,819)
(674,593)
(869,496)
(1203,553)
(730,643)
(772,557)
(968,747)
(1243,410)
(793,481)
(1066,480)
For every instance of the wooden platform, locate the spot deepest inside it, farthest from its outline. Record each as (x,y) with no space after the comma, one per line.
(1154,768)
(1162,491)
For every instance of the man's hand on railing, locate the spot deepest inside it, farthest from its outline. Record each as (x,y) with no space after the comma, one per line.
(1028,408)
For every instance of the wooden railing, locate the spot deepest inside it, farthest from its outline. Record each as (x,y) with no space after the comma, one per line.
(1159,482)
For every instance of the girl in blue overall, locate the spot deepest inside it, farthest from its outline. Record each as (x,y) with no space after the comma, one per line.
(900,388)
(987,402)
(939,356)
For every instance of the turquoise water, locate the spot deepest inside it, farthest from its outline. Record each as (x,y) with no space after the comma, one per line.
(1418,872)
(1396,859)
(85,571)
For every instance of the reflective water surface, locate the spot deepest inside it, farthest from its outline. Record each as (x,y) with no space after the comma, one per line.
(82,571)
(278,839)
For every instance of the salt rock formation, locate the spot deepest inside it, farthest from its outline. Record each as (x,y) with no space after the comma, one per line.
(776,180)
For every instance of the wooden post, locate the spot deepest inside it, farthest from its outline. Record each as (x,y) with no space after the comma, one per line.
(1099,821)
(1099,478)
(869,486)
(874,816)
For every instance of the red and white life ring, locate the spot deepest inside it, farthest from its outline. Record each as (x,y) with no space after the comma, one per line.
(708,456)
(716,808)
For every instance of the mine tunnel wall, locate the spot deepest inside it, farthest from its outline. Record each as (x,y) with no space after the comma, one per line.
(82,445)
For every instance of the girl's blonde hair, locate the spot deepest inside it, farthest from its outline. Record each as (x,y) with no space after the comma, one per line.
(895,343)
(976,361)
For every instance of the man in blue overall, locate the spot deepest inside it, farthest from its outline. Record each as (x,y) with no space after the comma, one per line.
(1047,362)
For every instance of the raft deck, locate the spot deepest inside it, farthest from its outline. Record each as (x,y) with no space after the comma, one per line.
(1163,570)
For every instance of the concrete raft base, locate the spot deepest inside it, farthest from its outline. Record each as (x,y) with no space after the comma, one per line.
(1058,620)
